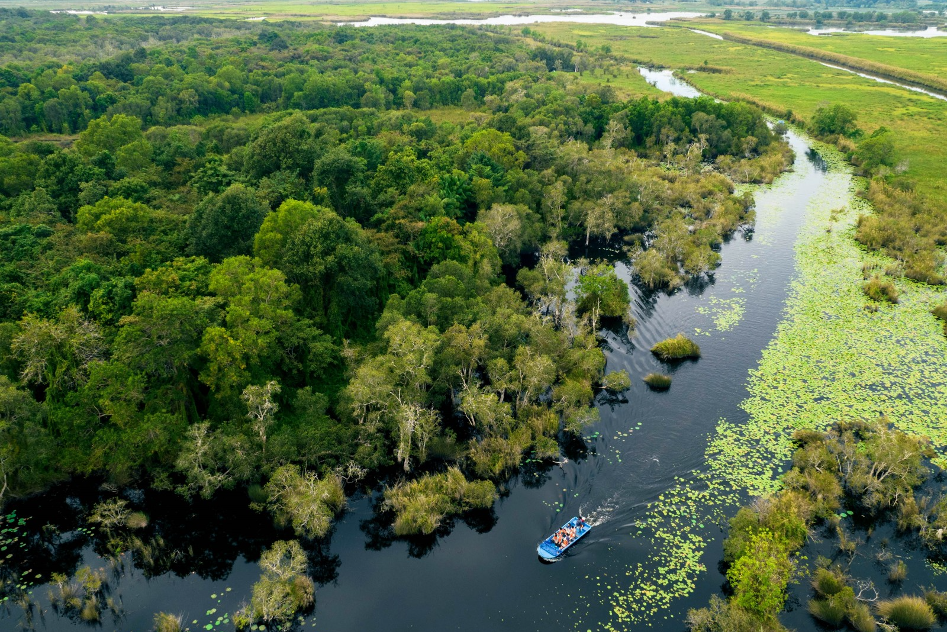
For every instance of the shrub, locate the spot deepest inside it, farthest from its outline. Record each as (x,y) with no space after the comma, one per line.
(722,616)
(165,622)
(898,572)
(828,582)
(658,381)
(878,290)
(422,504)
(940,312)
(284,589)
(617,381)
(678,348)
(907,612)
(834,120)
(759,578)
(301,499)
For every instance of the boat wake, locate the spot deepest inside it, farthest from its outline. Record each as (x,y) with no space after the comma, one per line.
(601,514)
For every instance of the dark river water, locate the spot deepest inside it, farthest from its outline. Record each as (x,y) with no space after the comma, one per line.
(483,574)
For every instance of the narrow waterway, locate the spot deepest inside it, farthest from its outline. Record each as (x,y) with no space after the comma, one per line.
(615,19)
(483,574)
(888,81)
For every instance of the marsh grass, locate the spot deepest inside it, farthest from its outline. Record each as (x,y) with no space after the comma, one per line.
(165,622)
(679,347)
(860,618)
(137,520)
(937,600)
(907,612)
(657,381)
(828,582)
(878,290)
(898,572)
(422,504)
(828,610)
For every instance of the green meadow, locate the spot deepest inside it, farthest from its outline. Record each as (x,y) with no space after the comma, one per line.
(925,55)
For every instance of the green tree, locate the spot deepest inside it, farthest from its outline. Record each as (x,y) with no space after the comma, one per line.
(279,227)
(258,310)
(339,270)
(104,134)
(600,292)
(834,119)
(286,145)
(760,576)
(224,225)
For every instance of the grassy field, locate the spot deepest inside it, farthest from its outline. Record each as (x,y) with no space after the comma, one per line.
(924,55)
(780,82)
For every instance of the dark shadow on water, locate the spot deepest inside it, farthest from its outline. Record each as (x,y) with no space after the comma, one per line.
(817,160)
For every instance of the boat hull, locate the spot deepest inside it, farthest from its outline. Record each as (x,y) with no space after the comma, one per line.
(547,549)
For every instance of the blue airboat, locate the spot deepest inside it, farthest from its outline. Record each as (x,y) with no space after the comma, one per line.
(549,551)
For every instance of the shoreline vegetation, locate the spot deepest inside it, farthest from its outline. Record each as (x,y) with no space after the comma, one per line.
(870,468)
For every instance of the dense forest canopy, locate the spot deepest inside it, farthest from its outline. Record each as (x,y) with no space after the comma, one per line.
(290,257)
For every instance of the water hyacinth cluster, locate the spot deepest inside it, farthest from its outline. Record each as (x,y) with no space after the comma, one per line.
(725,312)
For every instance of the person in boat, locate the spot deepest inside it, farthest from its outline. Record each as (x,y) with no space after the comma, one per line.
(581,523)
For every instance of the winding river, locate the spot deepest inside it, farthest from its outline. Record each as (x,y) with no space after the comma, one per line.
(483,574)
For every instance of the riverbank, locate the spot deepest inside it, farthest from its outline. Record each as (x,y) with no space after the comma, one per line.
(831,360)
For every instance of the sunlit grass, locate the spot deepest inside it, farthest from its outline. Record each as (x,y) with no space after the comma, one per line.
(679,347)
(907,613)
(658,381)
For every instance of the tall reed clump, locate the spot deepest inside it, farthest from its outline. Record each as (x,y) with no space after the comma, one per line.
(898,572)
(679,347)
(658,381)
(937,601)
(165,622)
(878,290)
(907,612)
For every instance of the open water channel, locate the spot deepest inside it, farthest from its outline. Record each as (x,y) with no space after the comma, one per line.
(483,574)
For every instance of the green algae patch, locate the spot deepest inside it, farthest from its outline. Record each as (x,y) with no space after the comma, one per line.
(726,313)
(831,360)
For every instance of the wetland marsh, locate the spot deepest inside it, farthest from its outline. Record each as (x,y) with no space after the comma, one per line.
(788,339)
